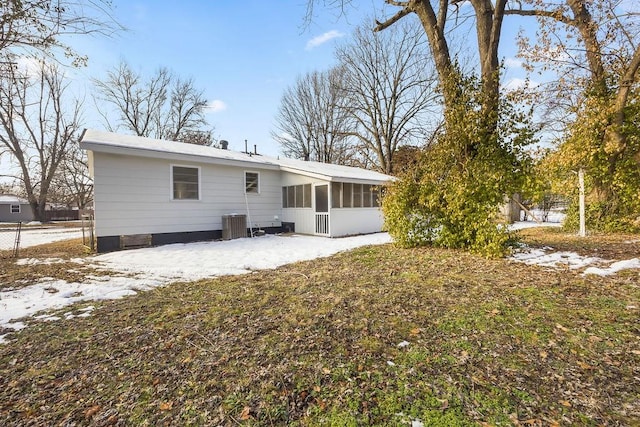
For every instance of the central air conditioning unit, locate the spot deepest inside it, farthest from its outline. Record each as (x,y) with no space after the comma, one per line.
(234,226)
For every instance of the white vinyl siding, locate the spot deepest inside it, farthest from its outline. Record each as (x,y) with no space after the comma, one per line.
(131,197)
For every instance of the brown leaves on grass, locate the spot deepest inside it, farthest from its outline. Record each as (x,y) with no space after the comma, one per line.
(489,344)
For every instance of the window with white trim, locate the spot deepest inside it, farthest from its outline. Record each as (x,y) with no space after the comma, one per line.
(296,196)
(185,183)
(251,182)
(15,209)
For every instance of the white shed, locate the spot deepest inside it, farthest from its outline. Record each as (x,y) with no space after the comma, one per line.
(149,192)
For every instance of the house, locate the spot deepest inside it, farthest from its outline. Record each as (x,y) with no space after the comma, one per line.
(152,192)
(14,209)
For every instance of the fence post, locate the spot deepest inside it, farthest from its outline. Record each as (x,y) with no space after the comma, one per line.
(16,243)
(583,227)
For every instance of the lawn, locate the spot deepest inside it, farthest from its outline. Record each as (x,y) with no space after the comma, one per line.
(375,336)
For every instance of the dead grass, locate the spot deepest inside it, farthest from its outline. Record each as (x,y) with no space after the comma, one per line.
(14,275)
(317,343)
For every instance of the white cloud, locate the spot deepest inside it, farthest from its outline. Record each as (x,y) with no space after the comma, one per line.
(216,106)
(29,66)
(323,38)
(512,63)
(516,84)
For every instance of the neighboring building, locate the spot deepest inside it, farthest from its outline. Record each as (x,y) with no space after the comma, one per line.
(14,209)
(150,192)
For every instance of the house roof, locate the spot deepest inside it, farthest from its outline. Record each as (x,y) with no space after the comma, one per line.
(108,142)
(11,199)
(115,143)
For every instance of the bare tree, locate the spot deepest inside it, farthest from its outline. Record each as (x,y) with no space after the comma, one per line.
(39,123)
(439,20)
(390,88)
(313,122)
(72,183)
(592,45)
(163,106)
(36,26)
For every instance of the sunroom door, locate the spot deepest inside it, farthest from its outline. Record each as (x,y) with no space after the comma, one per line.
(322,209)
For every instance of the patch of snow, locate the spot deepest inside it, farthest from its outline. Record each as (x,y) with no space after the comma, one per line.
(403,344)
(194,261)
(614,268)
(520,225)
(33,261)
(138,270)
(40,236)
(540,257)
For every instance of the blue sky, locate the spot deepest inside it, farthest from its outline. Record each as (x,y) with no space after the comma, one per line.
(242,54)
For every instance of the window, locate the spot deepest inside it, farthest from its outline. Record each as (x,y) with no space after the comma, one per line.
(307,196)
(366,196)
(251,182)
(296,196)
(346,195)
(336,189)
(375,196)
(186,183)
(357,195)
(299,196)
(291,194)
(15,208)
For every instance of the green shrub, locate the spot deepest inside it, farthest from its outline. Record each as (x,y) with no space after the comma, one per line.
(450,198)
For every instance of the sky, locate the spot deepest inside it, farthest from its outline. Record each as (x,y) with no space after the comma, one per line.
(243,55)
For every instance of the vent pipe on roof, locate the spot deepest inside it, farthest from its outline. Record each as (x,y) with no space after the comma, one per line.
(246,148)
(255,148)
(224,144)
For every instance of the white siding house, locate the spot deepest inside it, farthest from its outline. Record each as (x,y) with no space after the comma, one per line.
(153,192)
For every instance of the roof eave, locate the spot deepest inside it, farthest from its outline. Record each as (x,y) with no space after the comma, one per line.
(98,147)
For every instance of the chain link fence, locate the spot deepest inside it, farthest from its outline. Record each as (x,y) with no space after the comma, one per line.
(10,240)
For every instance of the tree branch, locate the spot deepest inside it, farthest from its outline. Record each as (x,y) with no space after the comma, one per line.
(395,18)
(542,13)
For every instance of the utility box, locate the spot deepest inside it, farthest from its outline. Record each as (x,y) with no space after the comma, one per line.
(234,226)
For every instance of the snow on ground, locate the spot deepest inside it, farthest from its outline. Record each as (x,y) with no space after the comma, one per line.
(39,236)
(545,258)
(143,269)
(138,270)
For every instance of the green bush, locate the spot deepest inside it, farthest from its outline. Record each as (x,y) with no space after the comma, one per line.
(451,197)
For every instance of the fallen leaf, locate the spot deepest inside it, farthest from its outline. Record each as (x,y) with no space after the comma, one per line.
(244,415)
(565,403)
(89,413)
(326,370)
(544,355)
(444,404)
(415,331)
(562,328)
(584,365)
(166,406)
